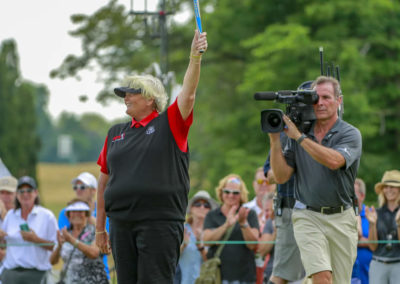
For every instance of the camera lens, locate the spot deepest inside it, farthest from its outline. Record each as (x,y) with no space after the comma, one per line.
(274,119)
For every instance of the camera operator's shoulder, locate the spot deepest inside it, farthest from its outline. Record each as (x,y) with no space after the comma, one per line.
(347,127)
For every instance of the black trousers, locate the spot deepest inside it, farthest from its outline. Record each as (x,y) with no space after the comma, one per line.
(146,252)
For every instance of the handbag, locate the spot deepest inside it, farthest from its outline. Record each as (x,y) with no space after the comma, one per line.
(210,270)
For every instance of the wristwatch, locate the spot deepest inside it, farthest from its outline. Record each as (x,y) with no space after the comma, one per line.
(245,225)
(301,138)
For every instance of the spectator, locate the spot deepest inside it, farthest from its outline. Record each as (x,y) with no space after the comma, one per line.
(193,252)
(364,254)
(85,187)
(8,187)
(237,260)
(287,261)
(384,225)
(268,235)
(81,257)
(261,188)
(33,226)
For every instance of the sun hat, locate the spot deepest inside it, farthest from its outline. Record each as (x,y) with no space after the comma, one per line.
(8,184)
(26,180)
(391,178)
(87,179)
(77,206)
(202,195)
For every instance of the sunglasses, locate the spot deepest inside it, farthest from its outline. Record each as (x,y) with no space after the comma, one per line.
(79,186)
(234,192)
(29,190)
(204,204)
(261,181)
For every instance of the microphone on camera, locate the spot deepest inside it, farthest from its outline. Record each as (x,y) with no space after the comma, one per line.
(268,96)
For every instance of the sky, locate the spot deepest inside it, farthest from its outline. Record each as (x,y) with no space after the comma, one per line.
(40,29)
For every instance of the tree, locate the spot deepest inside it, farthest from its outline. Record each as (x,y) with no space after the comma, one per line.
(263,45)
(19,144)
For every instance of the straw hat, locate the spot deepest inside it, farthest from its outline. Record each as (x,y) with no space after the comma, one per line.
(391,178)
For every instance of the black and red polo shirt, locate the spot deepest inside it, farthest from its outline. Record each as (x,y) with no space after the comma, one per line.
(147,162)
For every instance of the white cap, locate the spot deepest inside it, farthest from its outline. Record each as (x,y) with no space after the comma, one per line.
(8,184)
(78,206)
(87,179)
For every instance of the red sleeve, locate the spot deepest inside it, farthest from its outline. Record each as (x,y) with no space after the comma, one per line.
(102,160)
(179,127)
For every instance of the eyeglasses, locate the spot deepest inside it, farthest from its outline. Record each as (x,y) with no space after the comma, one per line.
(28,190)
(204,204)
(261,181)
(234,192)
(79,186)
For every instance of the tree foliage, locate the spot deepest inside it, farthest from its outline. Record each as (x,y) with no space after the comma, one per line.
(262,45)
(19,143)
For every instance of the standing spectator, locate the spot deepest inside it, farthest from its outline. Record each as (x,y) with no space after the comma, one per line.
(237,260)
(384,225)
(81,257)
(287,261)
(85,187)
(325,162)
(364,254)
(268,235)
(144,178)
(8,187)
(193,252)
(261,188)
(33,226)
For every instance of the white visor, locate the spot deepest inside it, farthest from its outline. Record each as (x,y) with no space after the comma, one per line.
(78,206)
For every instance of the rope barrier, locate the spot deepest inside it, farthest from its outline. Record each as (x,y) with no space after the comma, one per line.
(204,243)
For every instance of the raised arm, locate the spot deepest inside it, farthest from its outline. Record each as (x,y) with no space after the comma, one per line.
(186,97)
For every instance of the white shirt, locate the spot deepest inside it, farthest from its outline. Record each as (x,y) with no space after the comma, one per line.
(44,224)
(253,205)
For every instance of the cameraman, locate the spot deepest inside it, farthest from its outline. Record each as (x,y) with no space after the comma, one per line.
(325,164)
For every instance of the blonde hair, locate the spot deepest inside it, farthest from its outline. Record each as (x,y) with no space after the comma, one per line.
(152,88)
(243,189)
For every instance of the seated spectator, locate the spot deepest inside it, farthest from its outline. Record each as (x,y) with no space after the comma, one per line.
(85,187)
(237,260)
(268,235)
(76,247)
(384,225)
(30,231)
(193,252)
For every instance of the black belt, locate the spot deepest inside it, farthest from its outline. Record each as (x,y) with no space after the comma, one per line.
(20,269)
(329,210)
(288,202)
(386,261)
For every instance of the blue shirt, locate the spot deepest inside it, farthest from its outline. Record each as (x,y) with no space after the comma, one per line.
(364,254)
(64,222)
(190,260)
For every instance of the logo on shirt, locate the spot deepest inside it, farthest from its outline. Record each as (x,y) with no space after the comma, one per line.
(150,130)
(118,137)
(345,150)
